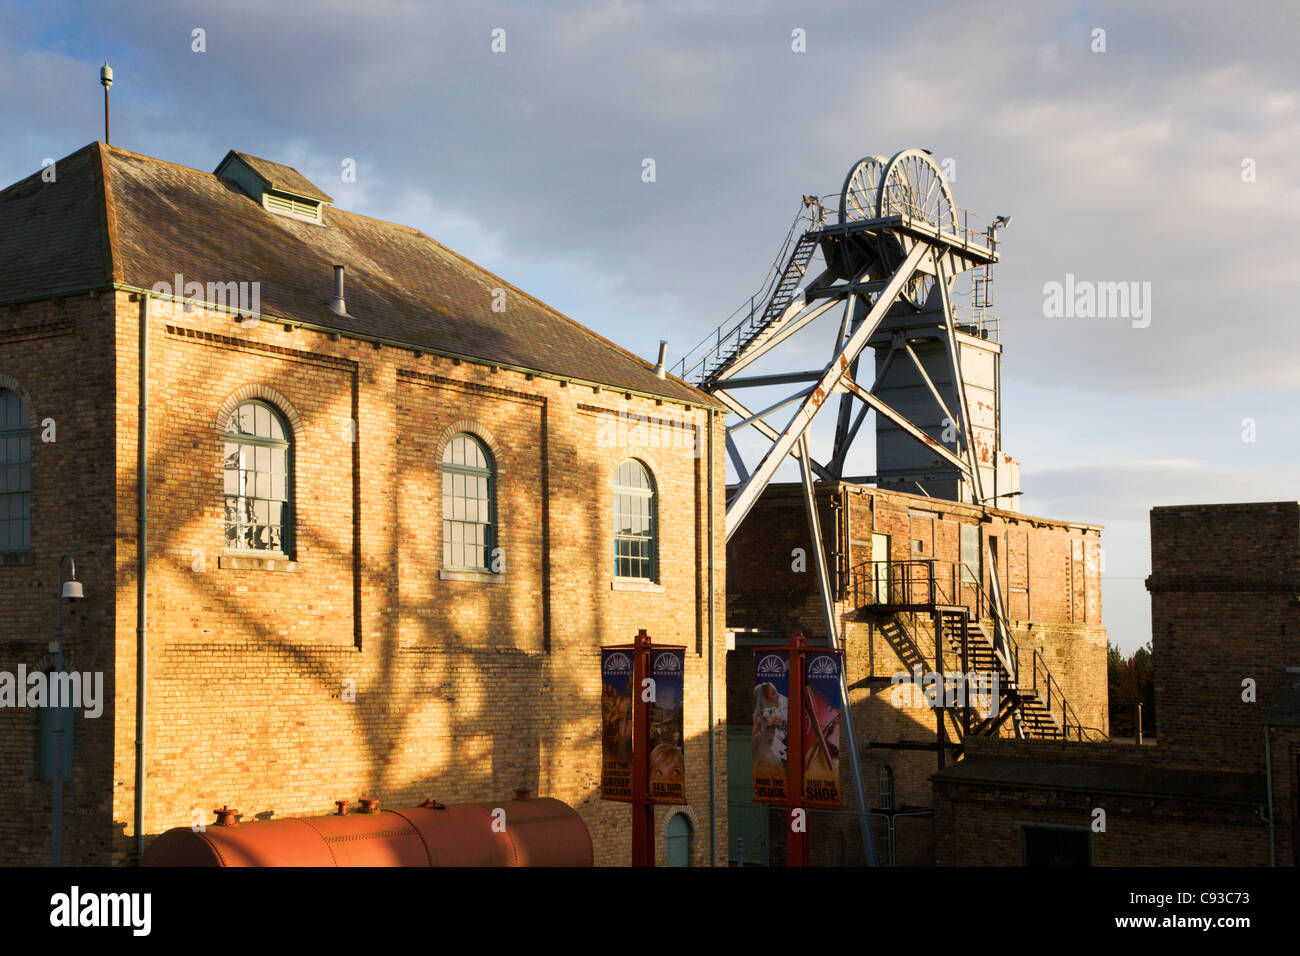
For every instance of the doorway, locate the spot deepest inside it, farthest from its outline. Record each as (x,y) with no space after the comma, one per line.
(880,566)
(746,820)
(677,844)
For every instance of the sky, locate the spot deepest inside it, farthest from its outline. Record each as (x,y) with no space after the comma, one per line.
(1164,150)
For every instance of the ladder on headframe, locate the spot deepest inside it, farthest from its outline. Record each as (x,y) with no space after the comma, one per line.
(759,324)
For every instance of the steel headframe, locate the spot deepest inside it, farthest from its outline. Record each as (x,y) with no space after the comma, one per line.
(876,261)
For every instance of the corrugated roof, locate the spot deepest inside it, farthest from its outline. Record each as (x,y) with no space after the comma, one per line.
(117,215)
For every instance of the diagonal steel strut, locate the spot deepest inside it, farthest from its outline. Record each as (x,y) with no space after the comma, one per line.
(741,503)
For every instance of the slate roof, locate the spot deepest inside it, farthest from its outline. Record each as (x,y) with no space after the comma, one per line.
(117,216)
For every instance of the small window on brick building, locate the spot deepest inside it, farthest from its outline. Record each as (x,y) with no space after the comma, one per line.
(885,784)
(634,522)
(15,474)
(1055,846)
(258,480)
(468,505)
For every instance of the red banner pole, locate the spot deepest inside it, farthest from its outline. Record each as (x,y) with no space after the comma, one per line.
(643,811)
(798,849)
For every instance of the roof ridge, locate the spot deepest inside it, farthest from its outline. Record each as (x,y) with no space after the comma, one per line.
(107,211)
(18,182)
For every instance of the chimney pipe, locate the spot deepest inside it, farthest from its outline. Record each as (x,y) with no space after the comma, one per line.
(663,357)
(337,305)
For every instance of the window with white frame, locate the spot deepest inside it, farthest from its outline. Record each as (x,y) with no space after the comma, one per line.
(634,522)
(258,480)
(468,508)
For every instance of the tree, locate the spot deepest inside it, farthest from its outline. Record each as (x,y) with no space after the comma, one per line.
(1129,682)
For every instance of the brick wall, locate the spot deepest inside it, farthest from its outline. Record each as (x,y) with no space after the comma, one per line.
(464,689)
(1224,610)
(1050,576)
(979,824)
(767,589)
(57,355)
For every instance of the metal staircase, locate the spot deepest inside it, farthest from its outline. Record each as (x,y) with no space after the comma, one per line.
(702,364)
(1029,696)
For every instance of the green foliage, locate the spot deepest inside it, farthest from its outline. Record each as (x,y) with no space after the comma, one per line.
(1130,682)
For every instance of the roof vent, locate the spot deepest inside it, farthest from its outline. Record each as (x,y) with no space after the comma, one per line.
(337,305)
(280,189)
(660,368)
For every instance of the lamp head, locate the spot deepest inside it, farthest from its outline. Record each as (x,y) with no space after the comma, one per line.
(72,590)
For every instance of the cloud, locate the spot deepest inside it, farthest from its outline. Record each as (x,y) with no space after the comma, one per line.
(1122,166)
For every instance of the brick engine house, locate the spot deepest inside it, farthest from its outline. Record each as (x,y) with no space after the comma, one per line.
(393,507)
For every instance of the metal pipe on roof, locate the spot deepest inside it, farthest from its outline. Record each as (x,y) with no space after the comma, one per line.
(337,305)
(663,358)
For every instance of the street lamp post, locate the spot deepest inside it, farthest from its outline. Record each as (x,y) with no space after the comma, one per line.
(71,590)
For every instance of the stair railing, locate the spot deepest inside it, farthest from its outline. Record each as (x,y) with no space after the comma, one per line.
(713,345)
(1069,718)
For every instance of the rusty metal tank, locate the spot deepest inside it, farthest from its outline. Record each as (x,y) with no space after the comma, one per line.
(537,832)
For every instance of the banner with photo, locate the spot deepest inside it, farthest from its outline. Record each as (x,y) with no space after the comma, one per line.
(667,726)
(616,724)
(771,713)
(822,712)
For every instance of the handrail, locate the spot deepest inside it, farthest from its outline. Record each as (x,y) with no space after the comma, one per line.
(957,225)
(1067,712)
(711,345)
(903,586)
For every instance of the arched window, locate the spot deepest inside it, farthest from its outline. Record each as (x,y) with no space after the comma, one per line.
(634,522)
(15,474)
(468,508)
(259,462)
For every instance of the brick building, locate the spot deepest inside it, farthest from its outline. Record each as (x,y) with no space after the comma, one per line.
(902,565)
(1220,786)
(381,519)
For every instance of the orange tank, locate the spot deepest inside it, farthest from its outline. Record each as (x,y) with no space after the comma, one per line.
(519,832)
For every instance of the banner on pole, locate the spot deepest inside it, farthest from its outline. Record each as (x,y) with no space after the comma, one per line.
(667,726)
(822,713)
(771,716)
(616,724)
